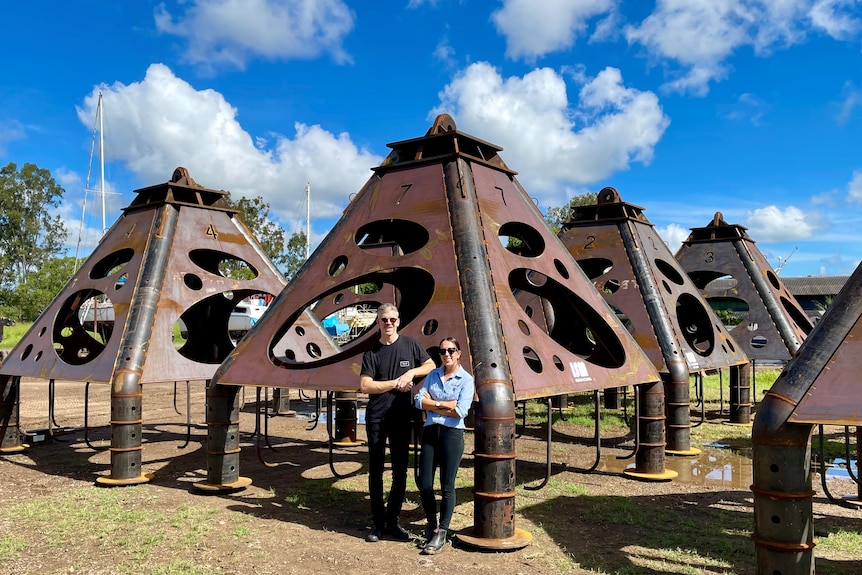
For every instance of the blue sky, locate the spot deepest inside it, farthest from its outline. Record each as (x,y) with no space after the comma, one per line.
(748,107)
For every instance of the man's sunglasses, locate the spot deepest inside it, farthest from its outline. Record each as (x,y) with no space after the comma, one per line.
(448,350)
(388,319)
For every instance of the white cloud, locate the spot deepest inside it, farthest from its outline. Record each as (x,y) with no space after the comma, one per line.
(701,34)
(828,15)
(554,143)
(233,31)
(673,235)
(854,188)
(162,122)
(827,198)
(533,29)
(445,53)
(772,224)
(852,99)
(10,130)
(747,108)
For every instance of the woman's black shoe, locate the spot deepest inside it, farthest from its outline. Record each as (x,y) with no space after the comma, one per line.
(436,544)
(429,535)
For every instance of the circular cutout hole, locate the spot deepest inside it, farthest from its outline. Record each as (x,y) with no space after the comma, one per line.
(558,363)
(121,281)
(521,239)
(223,264)
(611,287)
(525,329)
(773,279)
(111,264)
(313,350)
(391,237)
(595,267)
(669,271)
(537,279)
(430,327)
(561,268)
(337,266)
(532,359)
(192,281)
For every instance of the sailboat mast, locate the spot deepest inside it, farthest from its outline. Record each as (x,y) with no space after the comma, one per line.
(307,220)
(102,161)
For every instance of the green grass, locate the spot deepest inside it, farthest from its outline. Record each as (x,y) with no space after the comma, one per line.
(125,524)
(13,334)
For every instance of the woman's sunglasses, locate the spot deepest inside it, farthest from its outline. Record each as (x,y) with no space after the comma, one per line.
(448,350)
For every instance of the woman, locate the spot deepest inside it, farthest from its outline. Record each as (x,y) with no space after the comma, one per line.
(446,396)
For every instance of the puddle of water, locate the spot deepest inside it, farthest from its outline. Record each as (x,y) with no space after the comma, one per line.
(360,416)
(839,469)
(712,467)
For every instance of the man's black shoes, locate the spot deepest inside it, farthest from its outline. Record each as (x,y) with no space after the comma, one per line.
(374,535)
(393,530)
(397,532)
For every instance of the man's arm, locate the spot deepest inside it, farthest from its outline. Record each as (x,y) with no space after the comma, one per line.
(368,385)
(421,371)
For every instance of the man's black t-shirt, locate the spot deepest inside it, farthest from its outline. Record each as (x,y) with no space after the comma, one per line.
(385,362)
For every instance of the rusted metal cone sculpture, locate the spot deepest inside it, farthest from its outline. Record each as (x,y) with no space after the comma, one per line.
(445,231)
(630,265)
(163,263)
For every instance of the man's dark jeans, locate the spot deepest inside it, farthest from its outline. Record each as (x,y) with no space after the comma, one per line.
(395,430)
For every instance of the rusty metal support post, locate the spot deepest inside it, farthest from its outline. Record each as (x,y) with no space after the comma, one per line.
(126,392)
(649,461)
(281,402)
(678,412)
(783,497)
(10,434)
(494,478)
(858,466)
(740,394)
(222,406)
(346,419)
(612,398)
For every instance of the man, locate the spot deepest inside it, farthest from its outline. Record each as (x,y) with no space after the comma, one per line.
(389,368)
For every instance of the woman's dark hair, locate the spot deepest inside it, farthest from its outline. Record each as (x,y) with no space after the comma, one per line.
(453,341)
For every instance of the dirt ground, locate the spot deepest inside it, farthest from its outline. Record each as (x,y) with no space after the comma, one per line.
(310,535)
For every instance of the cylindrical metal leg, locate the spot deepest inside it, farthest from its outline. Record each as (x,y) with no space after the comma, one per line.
(612,398)
(10,434)
(222,440)
(678,407)
(126,440)
(649,459)
(740,394)
(346,419)
(494,480)
(783,502)
(281,402)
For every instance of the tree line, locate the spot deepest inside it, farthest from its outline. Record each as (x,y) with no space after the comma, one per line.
(33,269)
